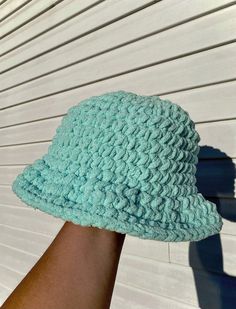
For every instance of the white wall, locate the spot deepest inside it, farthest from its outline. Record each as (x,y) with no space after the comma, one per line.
(53,54)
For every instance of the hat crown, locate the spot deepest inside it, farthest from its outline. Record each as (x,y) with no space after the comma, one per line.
(124,162)
(140,141)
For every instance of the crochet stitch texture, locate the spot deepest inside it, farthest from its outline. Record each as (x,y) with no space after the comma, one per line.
(123,162)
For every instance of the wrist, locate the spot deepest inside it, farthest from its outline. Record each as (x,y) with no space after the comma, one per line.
(91,237)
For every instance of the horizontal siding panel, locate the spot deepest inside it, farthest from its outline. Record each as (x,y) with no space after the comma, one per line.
(24,240)
(49,19)
(165,45)
(220,135)
(177,282)
(229,226)
(149,20)
(64,26)
(127,297)
(146,248)
(203,104)
(182,73)
(9,277)
(216,254)
(4,293)
(11,6)
(17,260)
(30,10)
(9,198)
(8,173)
(215,178)
(43,130)
(30,220)
(23,154)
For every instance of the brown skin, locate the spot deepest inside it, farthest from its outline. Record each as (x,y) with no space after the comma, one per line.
(77,271)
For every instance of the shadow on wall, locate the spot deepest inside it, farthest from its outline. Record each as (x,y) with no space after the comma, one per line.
(215,180)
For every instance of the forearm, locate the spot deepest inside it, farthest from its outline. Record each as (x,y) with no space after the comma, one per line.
(78,270)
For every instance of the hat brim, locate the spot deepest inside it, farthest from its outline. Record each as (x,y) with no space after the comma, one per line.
(31,188)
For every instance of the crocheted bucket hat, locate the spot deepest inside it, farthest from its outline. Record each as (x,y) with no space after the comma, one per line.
(126,163)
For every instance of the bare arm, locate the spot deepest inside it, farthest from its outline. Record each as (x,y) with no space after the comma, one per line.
(77,271)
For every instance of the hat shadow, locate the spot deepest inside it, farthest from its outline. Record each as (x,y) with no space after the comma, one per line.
(215,181)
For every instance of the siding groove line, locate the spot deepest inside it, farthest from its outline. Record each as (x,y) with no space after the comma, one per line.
(17,259)
(27,143)
(12,206)
(11,11)
(216,255)
(31,121)
(146,300)
(47,86)
(145,66)
(215,83)
(13,165)
(168,94)
(187,266)
(13,270)
(6,287)
(138,288)
(123,43)
(24,40)
(30,231)
(202,270)
(168,274)
(174,301)
(135,7)
(24,230)
(19,250)
(2,2)
(199,103)
(145,34)
(35,71)
(212,121)
(25,21)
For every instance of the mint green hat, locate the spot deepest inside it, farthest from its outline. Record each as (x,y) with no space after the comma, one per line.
(126,163)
